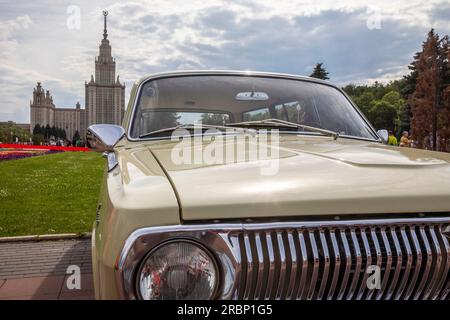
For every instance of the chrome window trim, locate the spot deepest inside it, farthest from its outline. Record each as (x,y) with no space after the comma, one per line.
(157,76)
(298,133)
(142,241)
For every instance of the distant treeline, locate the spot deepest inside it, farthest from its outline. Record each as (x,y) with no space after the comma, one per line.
(418,103)
(385,105)
(45,133)
(10,133)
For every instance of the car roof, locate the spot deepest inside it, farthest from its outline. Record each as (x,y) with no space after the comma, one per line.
(231,72)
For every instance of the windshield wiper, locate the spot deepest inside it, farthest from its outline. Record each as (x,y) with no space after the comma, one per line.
(192,126)
(286,124)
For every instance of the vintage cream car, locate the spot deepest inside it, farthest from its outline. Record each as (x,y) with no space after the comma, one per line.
(247,185)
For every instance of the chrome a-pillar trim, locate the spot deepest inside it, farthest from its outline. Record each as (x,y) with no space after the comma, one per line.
(222,239)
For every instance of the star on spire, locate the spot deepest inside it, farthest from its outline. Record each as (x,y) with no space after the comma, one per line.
(105,32)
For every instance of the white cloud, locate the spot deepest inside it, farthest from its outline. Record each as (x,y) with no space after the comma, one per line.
(281,36)
(9,26)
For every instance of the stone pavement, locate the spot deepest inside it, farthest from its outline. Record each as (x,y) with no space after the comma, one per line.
(37,269)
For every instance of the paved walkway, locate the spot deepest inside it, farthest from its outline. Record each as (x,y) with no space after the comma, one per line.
(37,269)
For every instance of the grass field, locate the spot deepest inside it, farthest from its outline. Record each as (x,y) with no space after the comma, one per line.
(48,194)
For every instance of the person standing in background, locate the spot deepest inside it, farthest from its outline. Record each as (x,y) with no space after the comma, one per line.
(404,140)
(392,140)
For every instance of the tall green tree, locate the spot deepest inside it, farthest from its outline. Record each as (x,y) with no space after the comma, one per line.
(53,132)
(410,79)
(319,72)
(218,119)
(9,132)
(37,129)
(394,99)
(364,101)
(38,138)
(76,138)
(382,104)
(404,119)
(383,115)
(47,132)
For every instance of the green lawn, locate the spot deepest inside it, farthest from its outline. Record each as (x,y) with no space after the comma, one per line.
(47,194)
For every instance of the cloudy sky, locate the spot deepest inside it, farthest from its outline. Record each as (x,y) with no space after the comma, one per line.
(358,41)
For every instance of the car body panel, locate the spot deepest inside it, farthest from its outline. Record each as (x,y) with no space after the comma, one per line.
(317,175)
(312,179)
(134,194)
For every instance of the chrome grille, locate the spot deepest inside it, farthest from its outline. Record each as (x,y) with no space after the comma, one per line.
(311,259)
(330,261)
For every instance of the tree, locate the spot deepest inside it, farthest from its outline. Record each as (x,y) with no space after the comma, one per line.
(382,104)
(37,129)
(409,82)
(319,72)
(47,132)
(218,119)
(444,114)
(76,138)
(402,114)
(383,115)
(410,79)
(54,132)
(426,98)
(364,102)
(404,119)
(393,98)
(60,133)
(161,120)
(38,138)
(9,132)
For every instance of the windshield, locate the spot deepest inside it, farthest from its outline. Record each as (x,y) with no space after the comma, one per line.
(227,99)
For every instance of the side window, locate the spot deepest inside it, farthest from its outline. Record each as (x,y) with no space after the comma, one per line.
(299,112)
(218,119)
(257,114)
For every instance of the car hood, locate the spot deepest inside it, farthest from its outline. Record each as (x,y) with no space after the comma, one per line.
(309,176)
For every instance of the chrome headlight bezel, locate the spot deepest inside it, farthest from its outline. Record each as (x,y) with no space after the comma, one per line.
(215,238)
(194,243)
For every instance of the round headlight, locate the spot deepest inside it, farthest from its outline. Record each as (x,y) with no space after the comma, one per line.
(177,270)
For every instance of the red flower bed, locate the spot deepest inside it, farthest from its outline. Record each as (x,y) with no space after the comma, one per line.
(27,146)
(19,154)
(19,151)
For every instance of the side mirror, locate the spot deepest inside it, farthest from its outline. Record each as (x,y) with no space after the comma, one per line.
(384,135)
(103,137)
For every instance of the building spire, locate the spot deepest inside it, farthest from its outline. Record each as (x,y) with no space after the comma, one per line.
(105,32)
